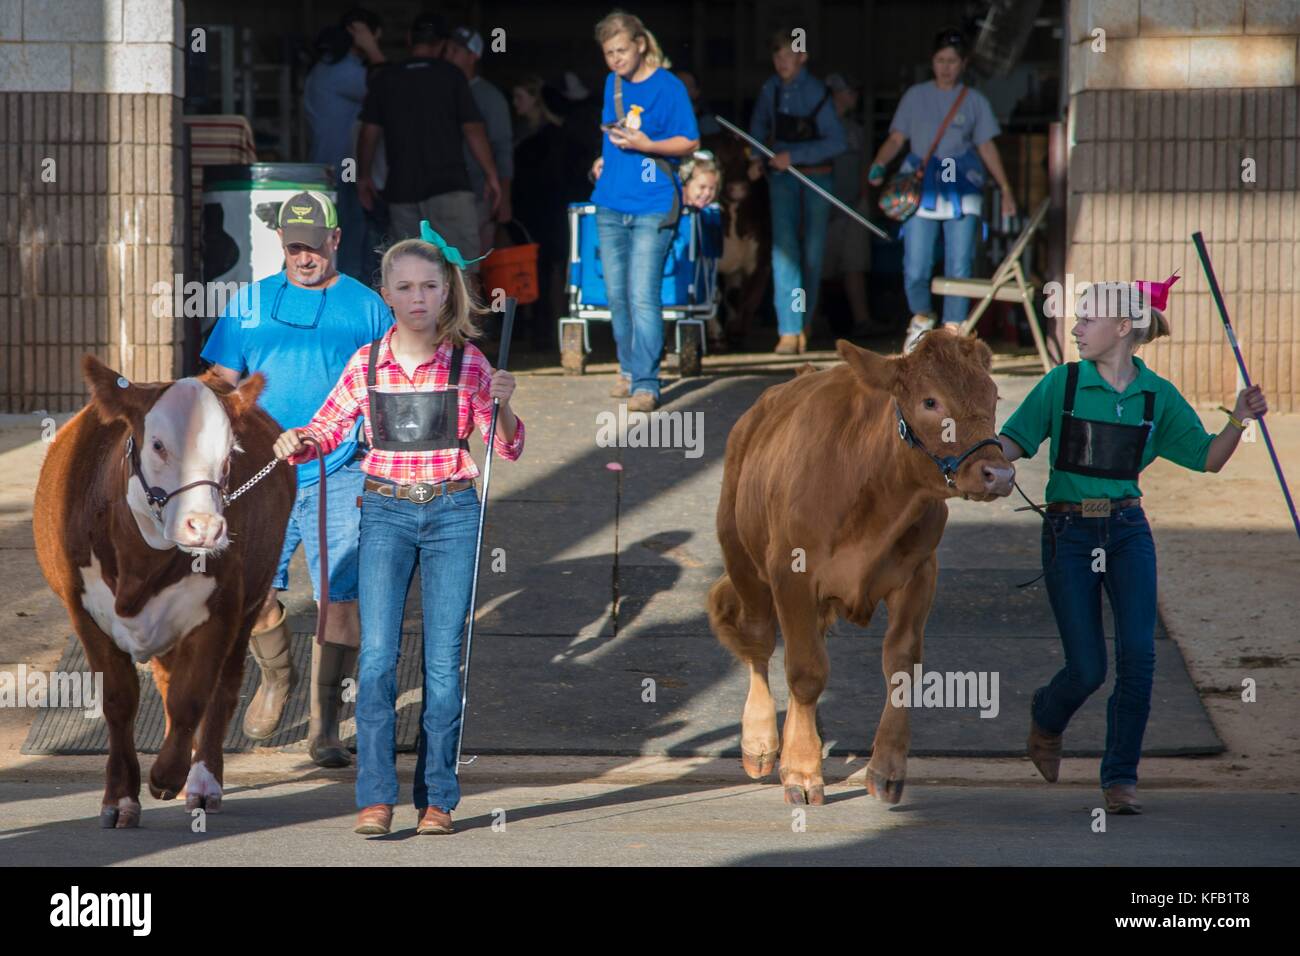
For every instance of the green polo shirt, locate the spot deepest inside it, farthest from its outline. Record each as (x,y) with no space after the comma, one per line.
(1179,435)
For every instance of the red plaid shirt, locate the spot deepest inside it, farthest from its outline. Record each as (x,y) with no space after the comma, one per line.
(350,398)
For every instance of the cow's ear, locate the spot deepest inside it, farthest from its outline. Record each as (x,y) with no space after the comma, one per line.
(115,396)
(245,396)
(875,371)
(976,349)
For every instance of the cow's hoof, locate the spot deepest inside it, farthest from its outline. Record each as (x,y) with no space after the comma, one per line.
(162,793)
(123,815)
(883,788)
(758,765)
(797,796)
(209,803)
(202,789)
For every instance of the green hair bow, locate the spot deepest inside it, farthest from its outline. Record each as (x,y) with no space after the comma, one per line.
(450,253)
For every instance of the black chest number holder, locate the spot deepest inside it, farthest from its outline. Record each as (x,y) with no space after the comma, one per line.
(793,128)
(1101,449)
(416,421)
(664,166)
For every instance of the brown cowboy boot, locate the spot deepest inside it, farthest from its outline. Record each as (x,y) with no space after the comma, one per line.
(270,649)
(330,664)
(1045,751)
(374,820)
(787,345)
(433,820)
(1122,798)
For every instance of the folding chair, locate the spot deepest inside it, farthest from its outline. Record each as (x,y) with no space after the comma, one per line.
(1007,285)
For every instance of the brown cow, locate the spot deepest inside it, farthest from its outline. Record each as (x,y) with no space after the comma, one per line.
(824,464)
(163,573)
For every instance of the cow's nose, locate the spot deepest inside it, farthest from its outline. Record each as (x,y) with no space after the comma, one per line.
(203,530)
(998,478)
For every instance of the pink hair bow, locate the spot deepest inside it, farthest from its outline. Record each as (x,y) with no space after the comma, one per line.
(1158,292)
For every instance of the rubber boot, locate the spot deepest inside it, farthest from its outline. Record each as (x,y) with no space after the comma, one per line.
(270,649)
(330,664)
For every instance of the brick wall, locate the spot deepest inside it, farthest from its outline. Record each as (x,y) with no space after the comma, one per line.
(1160,123)
(89,92)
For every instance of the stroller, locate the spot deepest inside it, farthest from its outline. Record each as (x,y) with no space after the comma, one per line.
(690,285)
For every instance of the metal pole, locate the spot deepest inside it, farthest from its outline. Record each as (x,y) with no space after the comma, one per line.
(1241,365)
(846,209)
(503,356)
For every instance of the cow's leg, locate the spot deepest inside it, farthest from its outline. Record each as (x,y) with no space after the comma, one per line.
(908,607)
(743,618)
(806,669)
(193,667)
(203,787)
(121,805)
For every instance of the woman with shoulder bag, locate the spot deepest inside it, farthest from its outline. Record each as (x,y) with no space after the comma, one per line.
(943,190)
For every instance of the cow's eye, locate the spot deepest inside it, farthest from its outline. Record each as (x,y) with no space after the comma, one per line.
(930,403)
(158,446)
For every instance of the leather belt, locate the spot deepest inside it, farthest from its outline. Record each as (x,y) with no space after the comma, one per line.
(420,491)
(1075,506)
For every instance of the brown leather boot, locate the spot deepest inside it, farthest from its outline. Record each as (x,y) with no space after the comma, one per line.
(1045,751)
(803,342)
(330,664)
(270,649)
(374,819)
(1122,798)
(787,345)
(433,820)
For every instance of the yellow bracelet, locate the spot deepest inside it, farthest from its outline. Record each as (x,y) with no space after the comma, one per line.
(1233,418)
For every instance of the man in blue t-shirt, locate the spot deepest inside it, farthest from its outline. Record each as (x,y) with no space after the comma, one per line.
(299,327)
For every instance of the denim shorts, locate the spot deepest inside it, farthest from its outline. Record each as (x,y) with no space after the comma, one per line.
(342,530)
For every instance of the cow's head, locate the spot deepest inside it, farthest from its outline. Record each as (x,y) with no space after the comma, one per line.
(948,401)
(183,433)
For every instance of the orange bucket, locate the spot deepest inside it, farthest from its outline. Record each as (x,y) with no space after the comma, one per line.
(512,269)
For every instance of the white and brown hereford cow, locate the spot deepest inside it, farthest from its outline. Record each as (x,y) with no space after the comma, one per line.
(852,466)
(132,534)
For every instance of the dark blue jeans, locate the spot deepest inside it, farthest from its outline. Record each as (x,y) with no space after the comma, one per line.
(396,535)
(632,251)
(1129,580)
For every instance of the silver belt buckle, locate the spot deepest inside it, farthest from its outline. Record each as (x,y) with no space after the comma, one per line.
(420,492)
(1095,508)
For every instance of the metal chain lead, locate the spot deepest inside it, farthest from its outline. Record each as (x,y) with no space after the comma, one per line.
(266,470)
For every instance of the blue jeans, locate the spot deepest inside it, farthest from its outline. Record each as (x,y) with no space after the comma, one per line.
(342,530)
(633,249)
(919,238)
(797,264)
(1129,580)
(396,534)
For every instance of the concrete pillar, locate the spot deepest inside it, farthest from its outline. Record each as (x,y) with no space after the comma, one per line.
(91,193)
(1171,103)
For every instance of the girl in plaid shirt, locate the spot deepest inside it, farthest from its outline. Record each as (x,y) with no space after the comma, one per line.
(421,387)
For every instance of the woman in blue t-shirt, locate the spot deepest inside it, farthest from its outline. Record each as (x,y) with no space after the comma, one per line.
(952,190)
(648,122)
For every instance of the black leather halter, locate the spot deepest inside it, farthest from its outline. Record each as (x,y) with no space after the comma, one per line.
(949,464)
(156,496)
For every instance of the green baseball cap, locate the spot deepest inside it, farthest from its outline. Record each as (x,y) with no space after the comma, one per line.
(307,217)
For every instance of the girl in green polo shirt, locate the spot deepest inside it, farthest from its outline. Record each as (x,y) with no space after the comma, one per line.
(1108,416)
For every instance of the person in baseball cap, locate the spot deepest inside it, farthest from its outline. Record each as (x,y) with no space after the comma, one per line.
(469,39)
(308,218)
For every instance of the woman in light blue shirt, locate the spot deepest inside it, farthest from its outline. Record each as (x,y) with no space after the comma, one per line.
(952,190)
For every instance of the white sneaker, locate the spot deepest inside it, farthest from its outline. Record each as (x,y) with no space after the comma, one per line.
(919,325)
